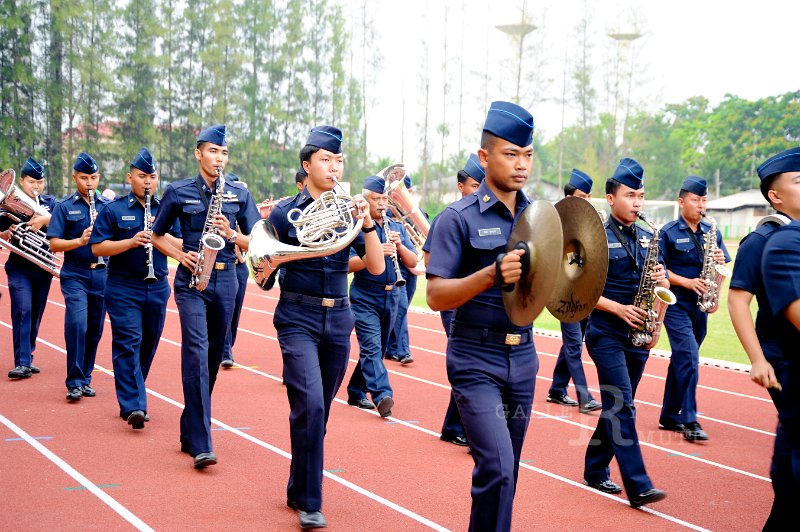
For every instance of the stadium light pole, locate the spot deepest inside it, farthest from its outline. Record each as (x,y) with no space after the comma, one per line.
(518,32)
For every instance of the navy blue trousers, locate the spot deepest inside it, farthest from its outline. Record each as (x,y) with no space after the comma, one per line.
(205,317)
(242,274)
(84,297)
(686,329)
(28,288)
(570,364)
(619,368)
(315,344)
(452,425)
(398,337)
(374,311)
(493,387)
(137,312)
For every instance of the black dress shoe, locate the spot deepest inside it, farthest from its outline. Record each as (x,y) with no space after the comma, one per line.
(227,363)
(146,418)
(456,440)
(35,369)
(364,403)
(590,406)
(393,358)
(291,504)
(694,432)
(385,406)
(562,399)
(605,486)
(74,394)
(136,419)
(20,372)
(311,519)
(674,427)
(88,391)
(406,360)
(203,460)
(646,497)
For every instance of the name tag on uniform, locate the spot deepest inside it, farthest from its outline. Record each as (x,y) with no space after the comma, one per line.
(129,218)
(613,245)
(74,212)
(191,201)
(682,241)
(493,231)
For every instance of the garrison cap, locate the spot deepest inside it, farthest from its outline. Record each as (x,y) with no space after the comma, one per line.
(326,138)
(214,135)
(84,163)
(695,185)
(144,161)
(33,169)
(581,181)
(629,173)
(474,169)
(511,122)
(785,161)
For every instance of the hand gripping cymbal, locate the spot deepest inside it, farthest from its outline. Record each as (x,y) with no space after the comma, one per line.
(584,262)
(538,232)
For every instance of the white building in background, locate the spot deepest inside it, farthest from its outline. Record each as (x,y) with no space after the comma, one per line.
(739,213)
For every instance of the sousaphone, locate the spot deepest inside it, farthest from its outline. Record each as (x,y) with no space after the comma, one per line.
(538,233)
(583,264)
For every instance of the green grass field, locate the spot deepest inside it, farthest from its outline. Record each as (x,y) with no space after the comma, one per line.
(720,343)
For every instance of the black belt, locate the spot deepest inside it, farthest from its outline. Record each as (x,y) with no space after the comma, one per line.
(492,337)
(373,285)
(224,265)
(329,302)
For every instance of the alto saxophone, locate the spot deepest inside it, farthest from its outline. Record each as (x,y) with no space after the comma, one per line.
(651,298)
(713,274)
(210,241)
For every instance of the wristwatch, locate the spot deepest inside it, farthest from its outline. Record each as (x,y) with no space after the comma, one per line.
(367,229)
(232,239)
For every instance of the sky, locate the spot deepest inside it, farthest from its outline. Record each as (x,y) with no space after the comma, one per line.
(687,48)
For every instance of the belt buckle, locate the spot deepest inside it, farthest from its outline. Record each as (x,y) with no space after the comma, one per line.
(328,302)
(219,265)
(513,339)
(388,287)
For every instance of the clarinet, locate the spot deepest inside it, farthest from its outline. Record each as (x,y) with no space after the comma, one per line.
(398,275)
(101,261)
(151,274)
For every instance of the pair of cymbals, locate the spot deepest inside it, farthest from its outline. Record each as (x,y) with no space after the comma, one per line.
(566,261)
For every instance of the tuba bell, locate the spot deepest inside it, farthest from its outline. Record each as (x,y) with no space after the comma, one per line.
(325,226)
(19,208)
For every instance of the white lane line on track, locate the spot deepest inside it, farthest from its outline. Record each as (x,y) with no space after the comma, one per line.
(110,501)
(346,483)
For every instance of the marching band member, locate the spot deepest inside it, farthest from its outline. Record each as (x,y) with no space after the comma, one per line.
(242,275)
(205,314)
(569,363)
(398,348)
(491,363)
(28,286)
(469,179)
(137,288)
(83,275)
(314,321)
(619,363)
(374,300)
(682,244)
(771,344)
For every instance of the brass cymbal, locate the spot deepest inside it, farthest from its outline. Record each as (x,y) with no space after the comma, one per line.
(584,262)
(538,231)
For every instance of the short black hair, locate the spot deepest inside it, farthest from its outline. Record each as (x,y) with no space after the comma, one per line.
(612,185)
(462,176)
(300,176)
(569,190)
(487,140)
(766,186)
(682,193)
(306,152)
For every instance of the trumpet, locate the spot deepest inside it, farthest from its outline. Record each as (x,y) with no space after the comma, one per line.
(398,275)
(101,261)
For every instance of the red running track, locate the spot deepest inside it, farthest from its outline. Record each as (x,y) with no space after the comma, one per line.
(80,465)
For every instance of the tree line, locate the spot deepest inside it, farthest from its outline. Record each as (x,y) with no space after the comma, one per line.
(107,77)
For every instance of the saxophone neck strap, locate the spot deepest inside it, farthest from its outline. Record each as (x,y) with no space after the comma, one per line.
(199,182)
(624,241)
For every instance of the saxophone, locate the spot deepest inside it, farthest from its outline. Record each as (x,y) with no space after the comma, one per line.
(651,298)
(713,274)
(210,242)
